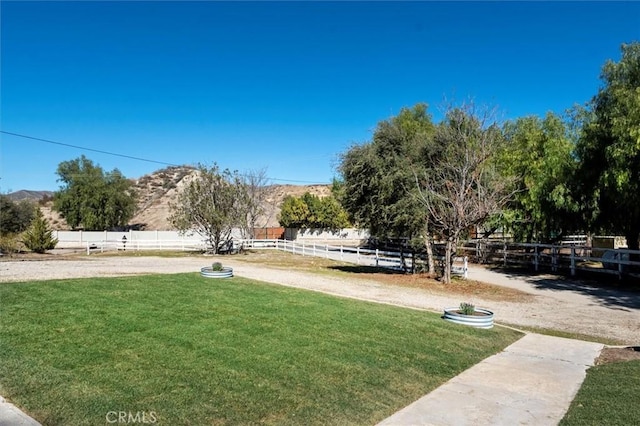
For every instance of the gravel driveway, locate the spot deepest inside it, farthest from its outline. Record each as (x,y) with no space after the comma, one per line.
(558,304)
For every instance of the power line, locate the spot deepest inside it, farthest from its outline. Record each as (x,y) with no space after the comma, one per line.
(132,157)
(88,149)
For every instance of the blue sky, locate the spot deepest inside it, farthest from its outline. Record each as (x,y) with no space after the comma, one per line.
(287,86)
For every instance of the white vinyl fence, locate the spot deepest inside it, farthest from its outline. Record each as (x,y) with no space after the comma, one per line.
(384,259)
(568,258)
(356,255)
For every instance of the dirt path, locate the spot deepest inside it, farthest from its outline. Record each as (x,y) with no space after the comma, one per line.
(558,304)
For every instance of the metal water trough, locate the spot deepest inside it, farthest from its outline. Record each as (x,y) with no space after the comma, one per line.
(484,320)
(208,272)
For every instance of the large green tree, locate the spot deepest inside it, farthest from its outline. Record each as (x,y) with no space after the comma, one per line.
(609,149)
(91,198)
(378,181)
(212,204)
(539,156)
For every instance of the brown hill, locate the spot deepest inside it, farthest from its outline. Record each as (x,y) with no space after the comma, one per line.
(156,190)
(24,194)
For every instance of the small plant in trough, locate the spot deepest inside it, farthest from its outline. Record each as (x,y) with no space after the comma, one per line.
(467,308)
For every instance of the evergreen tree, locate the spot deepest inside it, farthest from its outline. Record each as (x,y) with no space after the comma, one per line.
(39,237)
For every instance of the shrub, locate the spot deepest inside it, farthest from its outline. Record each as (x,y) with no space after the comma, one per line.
(217,266)
(38,238)
(10,244)
(467,308)
(15,216)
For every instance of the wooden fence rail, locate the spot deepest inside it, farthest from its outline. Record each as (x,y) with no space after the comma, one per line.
(555,258)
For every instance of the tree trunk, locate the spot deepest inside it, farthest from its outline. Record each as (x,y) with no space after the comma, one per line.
(428,242)
(447,261)
(214,239)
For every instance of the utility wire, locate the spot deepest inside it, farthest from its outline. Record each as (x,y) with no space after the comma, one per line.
(88,149)
(129,156)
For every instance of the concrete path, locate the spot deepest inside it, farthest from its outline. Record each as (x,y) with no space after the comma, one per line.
(531,382)
(10,415)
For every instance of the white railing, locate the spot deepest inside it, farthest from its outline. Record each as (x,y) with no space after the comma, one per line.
(556,258)
(137,245)
(367,257)
(379,258)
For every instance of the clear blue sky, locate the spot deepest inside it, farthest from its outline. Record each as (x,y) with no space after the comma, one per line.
(286,86)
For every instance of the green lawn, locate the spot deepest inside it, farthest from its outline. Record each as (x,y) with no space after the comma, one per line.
(196,351)
(608,396)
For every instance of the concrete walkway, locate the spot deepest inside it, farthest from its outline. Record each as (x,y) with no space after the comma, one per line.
(10,415)
(531,382)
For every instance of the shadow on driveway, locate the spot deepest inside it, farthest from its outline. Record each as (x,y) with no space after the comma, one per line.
(623,299)
(362,269)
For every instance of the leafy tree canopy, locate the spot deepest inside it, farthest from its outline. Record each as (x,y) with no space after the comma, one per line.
(539,155)
(378,181)
(609,148)
(92,199)
(311,212)
(15,216)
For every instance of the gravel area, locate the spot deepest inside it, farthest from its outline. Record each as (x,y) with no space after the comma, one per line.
(558,304)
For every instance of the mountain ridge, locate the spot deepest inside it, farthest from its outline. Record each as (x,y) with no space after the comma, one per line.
(156,190)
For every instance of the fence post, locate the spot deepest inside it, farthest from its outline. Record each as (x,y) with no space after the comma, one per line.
(88,252)
(504,253)
(341,257)
(357,255)
(303,248)
(618,257)
(466,267)
(573,261)
(554,259)
(377,258)
(314,249)
(536,259)
(326,251)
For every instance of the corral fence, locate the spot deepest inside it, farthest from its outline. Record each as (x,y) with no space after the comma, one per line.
(569,257)
(139,245)
(395,260)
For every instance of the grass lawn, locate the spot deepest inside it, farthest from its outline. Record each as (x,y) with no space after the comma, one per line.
(196,351)
(608,396)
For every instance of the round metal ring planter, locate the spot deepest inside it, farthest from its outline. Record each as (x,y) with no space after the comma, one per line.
(208,272)
(482,319)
